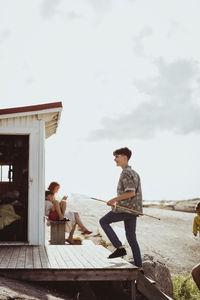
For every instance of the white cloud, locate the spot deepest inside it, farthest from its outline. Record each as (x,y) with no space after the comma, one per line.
(71,15)
(4,35)
(49,8)
(138,41)
(52,8)
(171,106)
(100,5)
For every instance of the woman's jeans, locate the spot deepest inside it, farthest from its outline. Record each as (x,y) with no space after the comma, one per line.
(130,227)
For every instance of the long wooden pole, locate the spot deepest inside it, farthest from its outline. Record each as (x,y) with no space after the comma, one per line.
(126,208)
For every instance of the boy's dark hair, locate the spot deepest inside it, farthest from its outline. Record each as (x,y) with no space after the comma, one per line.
(198,206)
(123,151)
(47,193)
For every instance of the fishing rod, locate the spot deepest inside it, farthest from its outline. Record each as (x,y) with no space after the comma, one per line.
(126,208)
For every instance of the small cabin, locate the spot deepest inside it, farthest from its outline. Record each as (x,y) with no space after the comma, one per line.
(23,131)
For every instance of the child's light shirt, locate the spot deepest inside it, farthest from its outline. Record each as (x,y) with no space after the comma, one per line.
(48,207)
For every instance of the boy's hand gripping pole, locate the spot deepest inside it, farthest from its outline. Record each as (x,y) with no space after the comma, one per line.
(126,208)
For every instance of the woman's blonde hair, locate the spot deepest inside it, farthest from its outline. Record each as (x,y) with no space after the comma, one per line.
(52,186)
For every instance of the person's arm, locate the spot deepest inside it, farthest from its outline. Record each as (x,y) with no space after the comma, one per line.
(126,195)
(195,227)
(129,188)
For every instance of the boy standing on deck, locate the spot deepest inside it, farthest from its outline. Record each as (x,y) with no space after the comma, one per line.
(129,195)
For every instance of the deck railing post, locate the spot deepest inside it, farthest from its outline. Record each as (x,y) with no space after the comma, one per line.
(133,290)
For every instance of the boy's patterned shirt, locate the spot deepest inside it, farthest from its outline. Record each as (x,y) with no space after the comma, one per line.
(129,181)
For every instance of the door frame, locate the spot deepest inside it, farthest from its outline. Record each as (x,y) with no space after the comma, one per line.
(36,181)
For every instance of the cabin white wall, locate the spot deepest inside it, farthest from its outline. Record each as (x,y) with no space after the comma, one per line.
(41,182)
(33,203)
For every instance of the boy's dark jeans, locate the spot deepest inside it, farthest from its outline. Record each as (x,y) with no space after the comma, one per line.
(130,227)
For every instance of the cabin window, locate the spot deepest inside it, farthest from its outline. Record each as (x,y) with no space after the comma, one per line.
(6,173)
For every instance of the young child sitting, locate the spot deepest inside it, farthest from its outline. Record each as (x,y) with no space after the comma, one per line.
(196,222)
(53,209)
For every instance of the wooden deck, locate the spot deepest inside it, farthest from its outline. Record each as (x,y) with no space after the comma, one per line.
(63,263)
(83,263)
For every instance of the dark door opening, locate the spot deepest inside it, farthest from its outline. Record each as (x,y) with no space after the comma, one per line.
(14,161)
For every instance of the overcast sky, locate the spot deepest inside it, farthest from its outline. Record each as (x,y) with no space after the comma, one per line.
(127,73)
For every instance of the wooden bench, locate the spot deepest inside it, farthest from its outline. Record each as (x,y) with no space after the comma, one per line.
(57,232)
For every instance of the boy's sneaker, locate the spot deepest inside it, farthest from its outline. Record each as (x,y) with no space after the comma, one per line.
(118,253)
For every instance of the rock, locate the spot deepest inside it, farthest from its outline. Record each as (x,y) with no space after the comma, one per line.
(186,205)
(158,272)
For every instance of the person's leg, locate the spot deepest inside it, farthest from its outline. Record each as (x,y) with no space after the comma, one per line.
(63,207)
(80,223)
(70,237)
(130,228)
(196,275)
(105,224)
(56,205)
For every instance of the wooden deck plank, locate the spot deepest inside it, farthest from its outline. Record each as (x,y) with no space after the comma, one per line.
(21,258)
(3,253)
(62,257)
(61,263)
(100,254)
(102,251)
(36,258)
(14,258)
(7,257)
(44,258)
(90,256)
(52,257)
(29,258)
(66,256)
(101,260)
(70,274)
(59,256)
(80,253)
(70,254)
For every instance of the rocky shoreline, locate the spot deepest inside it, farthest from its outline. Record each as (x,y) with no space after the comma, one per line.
(177,205)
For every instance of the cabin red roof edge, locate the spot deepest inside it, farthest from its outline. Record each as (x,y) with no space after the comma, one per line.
(22,109)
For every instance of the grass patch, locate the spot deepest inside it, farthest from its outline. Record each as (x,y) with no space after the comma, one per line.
(185,288)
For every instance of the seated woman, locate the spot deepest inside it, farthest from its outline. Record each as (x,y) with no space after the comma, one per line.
(73,217)
(53,209)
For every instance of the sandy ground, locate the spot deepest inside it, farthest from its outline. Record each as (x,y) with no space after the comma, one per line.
(170,239)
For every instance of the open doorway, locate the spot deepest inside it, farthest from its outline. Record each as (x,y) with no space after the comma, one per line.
(14,162)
